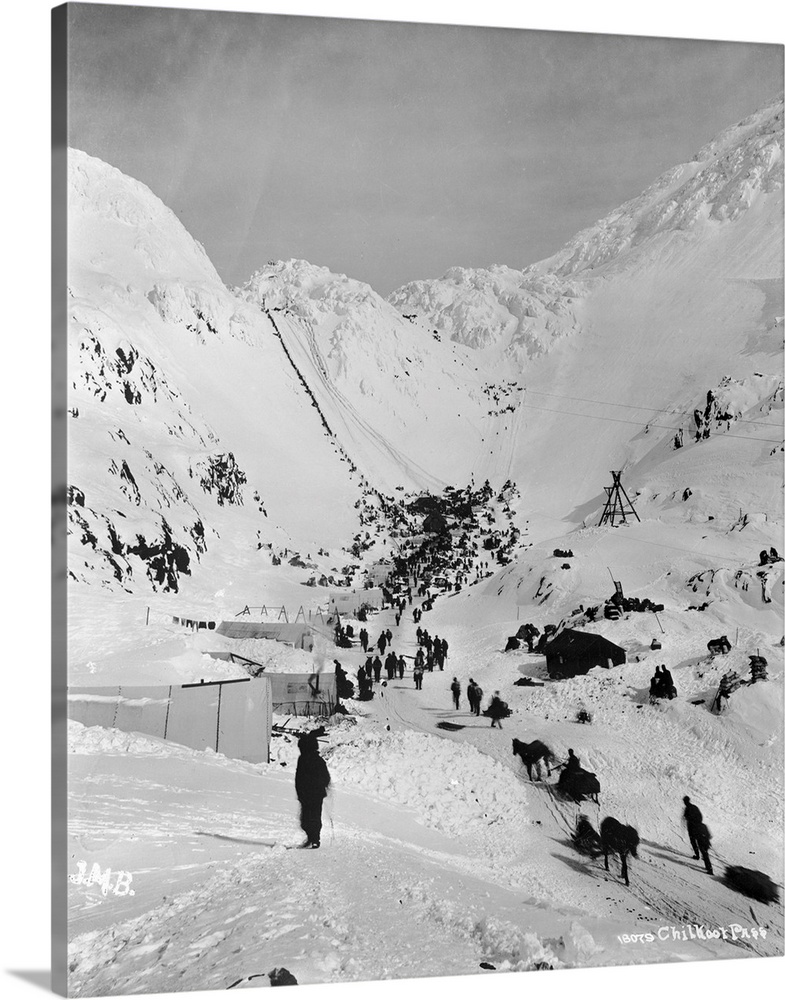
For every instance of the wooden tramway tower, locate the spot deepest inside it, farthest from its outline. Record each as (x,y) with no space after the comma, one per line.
(618,505)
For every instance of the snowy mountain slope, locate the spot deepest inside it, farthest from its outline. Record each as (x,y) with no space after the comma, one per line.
(212,431)
(641,324)
(178,394)
(408,407)
(495,308)
(253,431)
(724,180)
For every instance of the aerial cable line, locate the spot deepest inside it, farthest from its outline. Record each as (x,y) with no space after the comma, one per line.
(630,406)
(637,423)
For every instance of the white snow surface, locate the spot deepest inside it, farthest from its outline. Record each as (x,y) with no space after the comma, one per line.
(234,444)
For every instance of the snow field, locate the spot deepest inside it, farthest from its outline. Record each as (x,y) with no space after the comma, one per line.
(454,789)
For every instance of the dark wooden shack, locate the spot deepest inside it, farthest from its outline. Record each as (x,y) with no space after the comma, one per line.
(435,523)
(573,652)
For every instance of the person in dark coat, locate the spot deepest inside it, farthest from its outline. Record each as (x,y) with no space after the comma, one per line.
(477,699)
(496,710)
(471,694)
(572,763)
(377,669)
(401,667)
(381,642)
(667,687)
(455,687)
(693,817)
(311,782)
(418,671)
(364,639)
(702,838)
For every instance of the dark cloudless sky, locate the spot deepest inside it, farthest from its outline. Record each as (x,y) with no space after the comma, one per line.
(393,151)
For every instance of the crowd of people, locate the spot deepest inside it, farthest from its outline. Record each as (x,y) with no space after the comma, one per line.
(419,575)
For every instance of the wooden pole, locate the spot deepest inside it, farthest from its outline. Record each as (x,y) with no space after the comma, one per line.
(147,619)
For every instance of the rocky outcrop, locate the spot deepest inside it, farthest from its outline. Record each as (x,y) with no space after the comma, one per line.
(221,476)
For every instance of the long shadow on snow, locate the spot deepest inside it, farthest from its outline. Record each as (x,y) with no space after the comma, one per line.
(577,866)
(674,859)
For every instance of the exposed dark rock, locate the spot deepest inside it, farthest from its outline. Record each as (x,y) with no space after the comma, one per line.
(220,474)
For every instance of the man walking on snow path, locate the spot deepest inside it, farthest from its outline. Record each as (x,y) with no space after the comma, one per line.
(311,781)
(496,710)
(698,832)
(455,687)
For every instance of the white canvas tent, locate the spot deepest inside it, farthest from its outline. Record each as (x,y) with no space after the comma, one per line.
(349,602)
(232,717)
(294,634)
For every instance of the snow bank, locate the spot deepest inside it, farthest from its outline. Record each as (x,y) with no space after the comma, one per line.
(453,788)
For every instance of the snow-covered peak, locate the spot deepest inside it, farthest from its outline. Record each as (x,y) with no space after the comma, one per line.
(120,214)
(526,311)
(726,178)
(497,307)
(309,290)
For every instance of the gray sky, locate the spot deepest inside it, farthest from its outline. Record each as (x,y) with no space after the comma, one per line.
(393,151)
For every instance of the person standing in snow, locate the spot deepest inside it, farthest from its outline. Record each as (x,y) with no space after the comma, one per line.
(702,838)
(693,817)
(311,782)
(401,667)
(418,672)
(364,639)
(471,694)
(455,687)
(477,699)
(667,686)
(377,669)
(496,710)
(381,642)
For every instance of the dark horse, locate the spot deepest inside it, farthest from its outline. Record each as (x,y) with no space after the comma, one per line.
(618,839)
(532,754)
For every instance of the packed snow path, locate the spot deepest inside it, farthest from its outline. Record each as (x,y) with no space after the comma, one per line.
(667,886)
(401,887)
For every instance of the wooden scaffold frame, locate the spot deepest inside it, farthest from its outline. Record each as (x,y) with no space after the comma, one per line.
(617,504)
